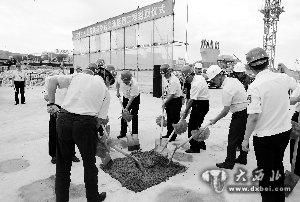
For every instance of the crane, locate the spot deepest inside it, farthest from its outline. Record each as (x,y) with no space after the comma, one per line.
(271,11)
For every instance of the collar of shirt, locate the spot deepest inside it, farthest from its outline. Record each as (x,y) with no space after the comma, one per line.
(224,82)
(266,71)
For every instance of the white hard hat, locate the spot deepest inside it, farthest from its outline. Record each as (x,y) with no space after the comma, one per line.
(213,71)
(198,66)
(239,67)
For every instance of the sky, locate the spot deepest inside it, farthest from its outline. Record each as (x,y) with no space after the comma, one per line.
(34,26)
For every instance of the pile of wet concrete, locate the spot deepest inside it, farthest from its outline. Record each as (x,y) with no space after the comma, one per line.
(157,168)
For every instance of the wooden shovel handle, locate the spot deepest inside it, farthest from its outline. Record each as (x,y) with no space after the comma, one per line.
(295,154)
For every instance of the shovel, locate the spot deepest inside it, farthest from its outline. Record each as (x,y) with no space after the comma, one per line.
(132,139)
(291,179)
(177,147)
(136,162)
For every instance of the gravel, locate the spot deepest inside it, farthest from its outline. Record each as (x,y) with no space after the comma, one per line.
(156,168)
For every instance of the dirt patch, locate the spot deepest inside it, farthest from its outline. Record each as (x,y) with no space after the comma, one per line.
(13,165)
(180,194)
(43,191)
(156,167)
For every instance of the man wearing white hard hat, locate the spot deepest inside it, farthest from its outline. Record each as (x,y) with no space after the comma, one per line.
(198,68)
(239,71)
(234,99)
(198,103)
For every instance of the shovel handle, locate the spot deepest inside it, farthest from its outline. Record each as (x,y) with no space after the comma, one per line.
(295,154)
(118,149)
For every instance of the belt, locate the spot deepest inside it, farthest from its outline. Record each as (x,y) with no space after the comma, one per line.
(67,112)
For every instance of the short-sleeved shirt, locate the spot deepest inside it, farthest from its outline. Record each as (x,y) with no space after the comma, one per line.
(172,86)
(132,89)
(86,94)
(234,94)
(19,75)
(59,95)
(268,96)
(199,88)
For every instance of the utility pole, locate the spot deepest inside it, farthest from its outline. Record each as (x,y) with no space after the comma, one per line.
(271,11)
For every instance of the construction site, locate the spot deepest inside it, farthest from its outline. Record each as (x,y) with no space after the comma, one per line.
(147,166)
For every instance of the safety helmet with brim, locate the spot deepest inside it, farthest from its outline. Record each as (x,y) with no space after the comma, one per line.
(256,56)
(108,70)
(126,75)
(165,68)
(213,71)
(187,71)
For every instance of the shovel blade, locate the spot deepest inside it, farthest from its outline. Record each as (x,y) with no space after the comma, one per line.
(290,181)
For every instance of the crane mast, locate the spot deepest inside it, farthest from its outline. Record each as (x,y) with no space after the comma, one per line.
(271,11)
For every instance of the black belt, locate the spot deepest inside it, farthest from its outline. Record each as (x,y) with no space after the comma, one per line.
(67,112)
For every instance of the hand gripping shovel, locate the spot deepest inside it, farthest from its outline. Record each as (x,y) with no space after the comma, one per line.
(178,128)
(136,162)
(195,134)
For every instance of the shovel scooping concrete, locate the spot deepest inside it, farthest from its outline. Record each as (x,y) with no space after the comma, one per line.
(193,136)
(137,163)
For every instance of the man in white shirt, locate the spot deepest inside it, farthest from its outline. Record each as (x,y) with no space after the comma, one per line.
(173,101)
(234,99)
(19,80)
(269,121)
(84,109)
(131,100)
(199,102)
(59,98)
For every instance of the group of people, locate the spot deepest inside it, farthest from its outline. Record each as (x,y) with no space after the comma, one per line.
(261,109)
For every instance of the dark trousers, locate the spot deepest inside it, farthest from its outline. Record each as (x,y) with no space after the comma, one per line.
(199,110)
(269,152)
(19,88)
(80,130)
(173,109)
(53,135)
(292,144)
(134,110)
(236,133)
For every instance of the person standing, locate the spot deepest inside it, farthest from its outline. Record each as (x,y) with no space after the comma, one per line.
(173,101)
(59,98)
(84,109)
(199,102)
(131,100)
(239,71)
(19,80)
(234,99)
(269,121)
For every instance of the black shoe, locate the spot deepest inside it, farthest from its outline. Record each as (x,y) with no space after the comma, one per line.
(75,159)
(224,165)
(241,161)
(121,136)
(16,103)
(53,160)
(165,136)
(203,147)
(191,151)
(101,197)
(23,103)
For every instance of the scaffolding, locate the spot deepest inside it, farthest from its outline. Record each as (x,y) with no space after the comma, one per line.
(271,11)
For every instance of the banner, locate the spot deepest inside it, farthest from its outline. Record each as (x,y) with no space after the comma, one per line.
(153,11)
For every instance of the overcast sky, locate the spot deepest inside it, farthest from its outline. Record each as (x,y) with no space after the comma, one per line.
(33,26)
